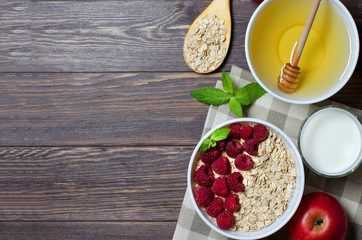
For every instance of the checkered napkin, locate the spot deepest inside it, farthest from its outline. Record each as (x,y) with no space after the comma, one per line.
(288,117)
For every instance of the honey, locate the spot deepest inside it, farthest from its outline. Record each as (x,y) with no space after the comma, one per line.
(325,55)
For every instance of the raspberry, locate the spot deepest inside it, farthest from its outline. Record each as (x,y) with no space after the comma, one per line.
(215,207)
(234,131)
(246,132)
(232,203)
(225,220)
(235,182)
(221,165)
(204,196)
(204,176)
(260,132)
(210,155)
(251,146)
(233,148)
(243,162)
(219,187)
(220,145)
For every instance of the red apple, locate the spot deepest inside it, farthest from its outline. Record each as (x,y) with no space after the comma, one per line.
(319,216)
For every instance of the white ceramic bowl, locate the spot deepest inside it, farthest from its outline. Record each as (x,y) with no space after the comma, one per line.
(343,78)
(294,202)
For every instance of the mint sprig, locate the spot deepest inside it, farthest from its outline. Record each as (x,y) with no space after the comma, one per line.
(217,135)
(238,98)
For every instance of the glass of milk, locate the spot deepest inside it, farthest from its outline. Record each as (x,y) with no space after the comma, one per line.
(330,142)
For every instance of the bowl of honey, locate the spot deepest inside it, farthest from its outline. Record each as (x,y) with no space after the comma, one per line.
(329,57)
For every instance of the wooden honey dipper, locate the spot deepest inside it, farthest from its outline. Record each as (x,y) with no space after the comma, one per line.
(288,79)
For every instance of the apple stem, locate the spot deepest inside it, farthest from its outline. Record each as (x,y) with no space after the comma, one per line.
(318,222)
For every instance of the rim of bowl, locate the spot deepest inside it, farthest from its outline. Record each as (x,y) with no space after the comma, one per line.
(298,196)
(355,165)
(352,61)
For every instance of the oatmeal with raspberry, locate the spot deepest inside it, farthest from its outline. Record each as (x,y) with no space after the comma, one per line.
(246,181)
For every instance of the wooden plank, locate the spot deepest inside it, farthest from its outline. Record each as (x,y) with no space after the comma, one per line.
(102,36)
(101,109)
(55,109)
(87,230)
(81,184)
(351,93)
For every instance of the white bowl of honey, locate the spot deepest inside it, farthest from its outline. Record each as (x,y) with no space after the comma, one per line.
(329,57)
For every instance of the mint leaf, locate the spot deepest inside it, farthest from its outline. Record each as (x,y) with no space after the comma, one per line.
(235,107)
(212,96)
(206,144)
(255,91)
(220,134)
(249,93)
(217,135)
(242,96)
(227,83)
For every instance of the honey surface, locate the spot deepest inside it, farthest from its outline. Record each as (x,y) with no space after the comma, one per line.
(325,55)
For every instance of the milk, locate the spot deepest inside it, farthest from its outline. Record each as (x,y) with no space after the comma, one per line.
(331,141)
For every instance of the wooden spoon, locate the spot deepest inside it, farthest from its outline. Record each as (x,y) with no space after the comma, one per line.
(288,80)
(221,9)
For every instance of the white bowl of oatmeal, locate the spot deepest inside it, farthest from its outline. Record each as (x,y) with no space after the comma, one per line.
(270,187)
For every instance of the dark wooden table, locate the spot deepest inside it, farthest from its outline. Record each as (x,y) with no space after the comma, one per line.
(96,121)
